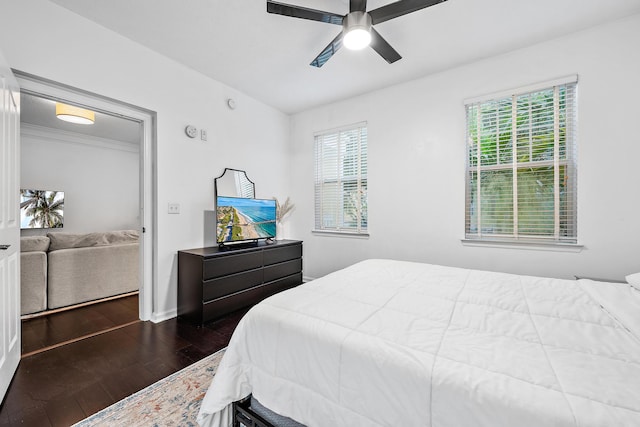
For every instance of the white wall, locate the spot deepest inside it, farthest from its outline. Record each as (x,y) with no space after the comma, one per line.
(251,137)
(416,137)
(417,160)
(100,178)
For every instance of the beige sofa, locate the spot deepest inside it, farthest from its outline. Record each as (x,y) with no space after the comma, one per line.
(33,274)
(68,269)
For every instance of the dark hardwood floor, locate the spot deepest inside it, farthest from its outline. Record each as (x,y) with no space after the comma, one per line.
(61,386)
(53,329)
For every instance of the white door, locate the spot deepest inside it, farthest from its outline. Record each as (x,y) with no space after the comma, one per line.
(9,226)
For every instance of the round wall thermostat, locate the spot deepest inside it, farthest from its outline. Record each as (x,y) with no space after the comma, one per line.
(231,104)
(191,131)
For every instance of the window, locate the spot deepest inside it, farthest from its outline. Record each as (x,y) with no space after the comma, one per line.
(341,180)
(521,171)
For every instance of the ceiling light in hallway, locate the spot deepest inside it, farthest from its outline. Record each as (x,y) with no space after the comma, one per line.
(73,114)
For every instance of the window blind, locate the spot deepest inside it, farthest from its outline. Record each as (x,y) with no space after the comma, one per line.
(521,166)
(341,180)
(244,186)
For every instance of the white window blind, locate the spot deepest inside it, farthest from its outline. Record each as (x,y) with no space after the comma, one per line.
(341,180)
(521,166)
(244,187)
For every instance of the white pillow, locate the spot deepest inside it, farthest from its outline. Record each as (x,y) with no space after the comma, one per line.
(634,280)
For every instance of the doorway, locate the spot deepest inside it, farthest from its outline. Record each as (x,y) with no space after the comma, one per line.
(130,127)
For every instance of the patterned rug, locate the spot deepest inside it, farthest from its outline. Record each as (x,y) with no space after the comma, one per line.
(172,401)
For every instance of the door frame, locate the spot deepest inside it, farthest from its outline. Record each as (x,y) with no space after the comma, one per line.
(39,86)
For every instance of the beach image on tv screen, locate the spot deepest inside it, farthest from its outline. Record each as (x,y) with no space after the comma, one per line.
(245,219)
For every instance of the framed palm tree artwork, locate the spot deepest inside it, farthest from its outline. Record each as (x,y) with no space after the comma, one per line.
(41,209)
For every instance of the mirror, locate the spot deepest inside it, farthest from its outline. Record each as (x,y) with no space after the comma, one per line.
(234,183)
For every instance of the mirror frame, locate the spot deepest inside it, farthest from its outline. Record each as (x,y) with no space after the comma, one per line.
(233,171)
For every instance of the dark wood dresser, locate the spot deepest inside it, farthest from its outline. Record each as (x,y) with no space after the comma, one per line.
(213,282)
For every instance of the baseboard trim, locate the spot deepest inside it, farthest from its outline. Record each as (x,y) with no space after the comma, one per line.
(165,315)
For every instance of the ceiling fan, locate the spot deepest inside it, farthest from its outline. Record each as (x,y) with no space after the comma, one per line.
(357,25)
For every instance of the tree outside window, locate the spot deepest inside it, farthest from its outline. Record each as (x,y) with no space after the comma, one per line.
(521,172)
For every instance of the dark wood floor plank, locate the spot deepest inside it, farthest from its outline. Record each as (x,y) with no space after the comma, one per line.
(63,385)
(35,418)
(64,411)
(92,398)
(119,310)
(41,332)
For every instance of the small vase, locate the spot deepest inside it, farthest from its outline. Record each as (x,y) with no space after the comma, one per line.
(279,231)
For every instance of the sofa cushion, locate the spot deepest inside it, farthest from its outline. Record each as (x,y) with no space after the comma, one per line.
(33,282)
(85,274)
(70,240)
(34,244)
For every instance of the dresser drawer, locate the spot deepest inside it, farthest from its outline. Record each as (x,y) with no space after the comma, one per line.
(285,283)
(216,288)
(230,264)
(228,304)
(287,268)
(219,307)
(274,256)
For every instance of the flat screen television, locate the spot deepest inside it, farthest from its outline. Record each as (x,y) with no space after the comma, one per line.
(41,209)
(241,220)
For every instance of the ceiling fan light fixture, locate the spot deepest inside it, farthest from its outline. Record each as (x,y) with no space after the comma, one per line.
(73,114)
(357,25)
(357,39)
(357,30)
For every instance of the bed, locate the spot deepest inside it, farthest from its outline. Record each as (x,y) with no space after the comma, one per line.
(394,343)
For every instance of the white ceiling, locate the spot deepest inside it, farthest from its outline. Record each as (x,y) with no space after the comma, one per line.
(267,56)
(39,111)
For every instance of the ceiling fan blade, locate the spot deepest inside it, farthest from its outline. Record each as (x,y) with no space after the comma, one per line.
(399,8)
(383,48)
(328,51)
(303,12)
(358,6)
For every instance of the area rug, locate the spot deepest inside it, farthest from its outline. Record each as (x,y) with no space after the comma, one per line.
(172,401)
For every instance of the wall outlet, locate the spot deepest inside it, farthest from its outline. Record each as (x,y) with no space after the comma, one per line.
(174,208)
(203,134)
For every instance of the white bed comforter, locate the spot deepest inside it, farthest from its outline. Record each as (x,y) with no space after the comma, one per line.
(392,343)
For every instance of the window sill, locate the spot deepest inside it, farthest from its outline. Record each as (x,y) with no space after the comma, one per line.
(536,246)
(348,234)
